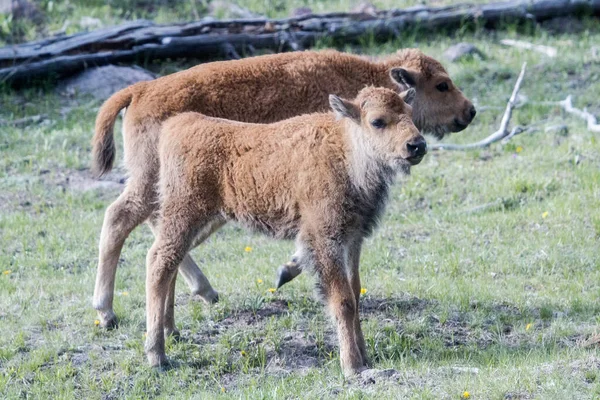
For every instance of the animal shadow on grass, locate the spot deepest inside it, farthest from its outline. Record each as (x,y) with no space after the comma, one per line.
(396,328)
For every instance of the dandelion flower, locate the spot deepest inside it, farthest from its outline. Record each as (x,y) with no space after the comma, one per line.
(528,326)
(96,322)
(8,271)
(271,290)
(222,389)
(363,291)
(544,214)
(466,395)
(248,249)
(125,294)
(518,150)
(259,281)
(243,353)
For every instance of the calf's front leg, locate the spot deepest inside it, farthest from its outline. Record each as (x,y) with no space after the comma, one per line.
(353,264)
(341,303)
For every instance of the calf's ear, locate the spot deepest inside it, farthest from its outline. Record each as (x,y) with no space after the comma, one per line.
(404,77)
(408,95)
(344,108)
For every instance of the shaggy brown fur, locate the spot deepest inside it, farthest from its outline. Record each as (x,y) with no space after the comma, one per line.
(315,178)
(260,89)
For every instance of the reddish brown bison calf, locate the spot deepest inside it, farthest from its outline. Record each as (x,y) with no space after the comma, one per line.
(258,89)
(321,179)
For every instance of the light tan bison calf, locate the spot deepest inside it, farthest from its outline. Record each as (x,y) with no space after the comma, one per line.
(258,89)
(321,179)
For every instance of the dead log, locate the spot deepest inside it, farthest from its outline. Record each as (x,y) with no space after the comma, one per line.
(208,40)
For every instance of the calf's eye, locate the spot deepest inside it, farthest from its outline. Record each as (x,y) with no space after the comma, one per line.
(378,123)
(442,87)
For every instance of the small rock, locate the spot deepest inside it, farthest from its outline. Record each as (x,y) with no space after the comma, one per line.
(462,51)
(79,359)
(365,7)
(90,22)
(102,82)
(372,375)
(561,129)
(301,11)
(465,370)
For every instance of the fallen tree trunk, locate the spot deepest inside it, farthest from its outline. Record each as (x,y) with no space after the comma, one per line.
(142,40)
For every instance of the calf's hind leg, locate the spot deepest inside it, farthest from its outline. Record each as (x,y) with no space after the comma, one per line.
(130,210)
(205,290)
(174,239)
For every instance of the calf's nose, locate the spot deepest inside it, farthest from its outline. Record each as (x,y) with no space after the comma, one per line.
(472,113)
(417,148)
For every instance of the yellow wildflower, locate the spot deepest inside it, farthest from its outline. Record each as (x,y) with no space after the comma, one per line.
(248,249)
(466,395)
(8,271)
(96,322)
(259,281)
(222,389)
(528,326)
(271,290)
(363,291)
(243,353)
(124,293)
(518,150)
(544,214)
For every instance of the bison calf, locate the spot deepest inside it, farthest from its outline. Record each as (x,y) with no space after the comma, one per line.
(260,89)
(321,179)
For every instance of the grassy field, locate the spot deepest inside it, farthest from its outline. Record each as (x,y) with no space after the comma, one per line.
(495,302)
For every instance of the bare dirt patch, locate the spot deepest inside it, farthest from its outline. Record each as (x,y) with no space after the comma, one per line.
(25,194)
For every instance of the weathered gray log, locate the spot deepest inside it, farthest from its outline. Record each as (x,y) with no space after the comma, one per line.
(208,40)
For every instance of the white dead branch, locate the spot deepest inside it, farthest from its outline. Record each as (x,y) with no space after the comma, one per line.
(547,50)
(567,105)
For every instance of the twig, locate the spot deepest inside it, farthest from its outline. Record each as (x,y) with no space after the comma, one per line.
(567,105)
(23,121)
(547,50)
(501,133)
(484,207)
(514,132)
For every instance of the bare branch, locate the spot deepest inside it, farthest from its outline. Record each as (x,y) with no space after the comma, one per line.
(567,105)
(34,119)
(501,133)
(592,125)
(547,50)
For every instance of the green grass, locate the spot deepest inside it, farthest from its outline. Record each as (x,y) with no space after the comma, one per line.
(497,302)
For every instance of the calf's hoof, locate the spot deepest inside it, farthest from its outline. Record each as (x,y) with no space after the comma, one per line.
(157,360)
(108,320)
(366,362)
(173,334)
(353,372)
(210,296)
(283,276)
